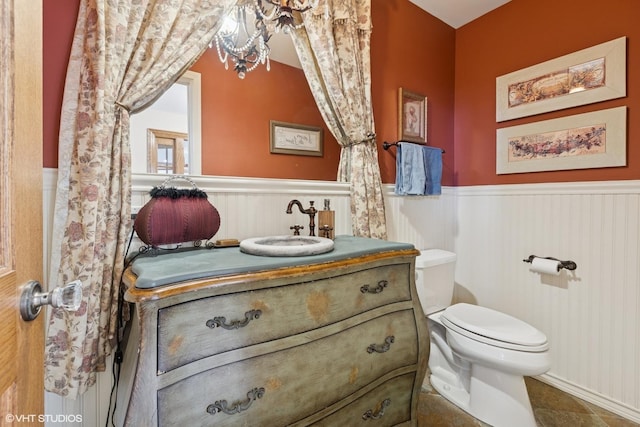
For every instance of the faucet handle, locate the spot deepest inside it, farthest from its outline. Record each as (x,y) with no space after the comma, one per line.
(325,231)
(296,229)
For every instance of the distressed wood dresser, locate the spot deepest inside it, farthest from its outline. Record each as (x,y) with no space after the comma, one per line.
(222,338)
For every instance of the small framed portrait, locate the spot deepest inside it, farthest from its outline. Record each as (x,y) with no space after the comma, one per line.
(412,116)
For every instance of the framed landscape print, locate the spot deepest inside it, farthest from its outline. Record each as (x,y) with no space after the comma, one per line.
(582,141)
(590,75)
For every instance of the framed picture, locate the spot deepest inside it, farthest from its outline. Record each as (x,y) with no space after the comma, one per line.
(289,138)
(412,116)
(590,75)
(582,141)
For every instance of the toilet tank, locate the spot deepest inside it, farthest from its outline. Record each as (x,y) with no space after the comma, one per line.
(435,279)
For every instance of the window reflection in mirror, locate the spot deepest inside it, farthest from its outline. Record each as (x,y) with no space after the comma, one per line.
(166,136)
(168,152)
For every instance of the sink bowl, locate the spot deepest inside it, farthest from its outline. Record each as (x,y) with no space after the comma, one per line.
(286,245)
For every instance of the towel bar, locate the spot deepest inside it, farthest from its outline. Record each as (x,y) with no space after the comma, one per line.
(386,144)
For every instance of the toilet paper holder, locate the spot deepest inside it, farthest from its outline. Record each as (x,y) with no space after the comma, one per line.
(569,265)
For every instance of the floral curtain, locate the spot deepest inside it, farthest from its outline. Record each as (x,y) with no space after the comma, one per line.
(334,48)
(125,54)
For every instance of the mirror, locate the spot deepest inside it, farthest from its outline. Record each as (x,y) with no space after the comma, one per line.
(168,133)
(227,121)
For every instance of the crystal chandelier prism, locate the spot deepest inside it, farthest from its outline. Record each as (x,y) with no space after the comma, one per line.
(247,45)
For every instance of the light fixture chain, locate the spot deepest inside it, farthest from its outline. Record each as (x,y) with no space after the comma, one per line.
(255,49)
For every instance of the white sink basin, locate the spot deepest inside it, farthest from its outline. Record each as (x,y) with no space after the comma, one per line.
(286,245)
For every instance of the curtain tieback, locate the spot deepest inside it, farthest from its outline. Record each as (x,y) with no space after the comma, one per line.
(124,107)
(120,107)
(370,137)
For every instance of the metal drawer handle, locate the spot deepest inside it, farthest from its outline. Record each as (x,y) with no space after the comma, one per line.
(371,415)
(221,321)
(381,348)
(221,405)
(366,289)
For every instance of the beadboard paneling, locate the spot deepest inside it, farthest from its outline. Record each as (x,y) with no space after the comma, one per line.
(591,316)
(253,207)
(425,221)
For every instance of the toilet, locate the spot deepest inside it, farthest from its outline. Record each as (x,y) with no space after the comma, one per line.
(478,356)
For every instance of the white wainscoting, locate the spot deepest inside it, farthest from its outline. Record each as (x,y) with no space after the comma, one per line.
(253,207)
(427,222)
(591,316)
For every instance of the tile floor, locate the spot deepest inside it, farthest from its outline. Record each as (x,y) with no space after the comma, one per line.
(551,407)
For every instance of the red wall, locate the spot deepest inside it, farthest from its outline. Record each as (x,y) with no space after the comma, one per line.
(232,145)
(524,33)
(235,132)
(414,50)
(455,69)
(58,24)
(399,26)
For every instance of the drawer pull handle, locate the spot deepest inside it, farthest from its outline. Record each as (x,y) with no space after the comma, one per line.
(381,348)
(221,321)
(371,415)
(221,405)
(366,289)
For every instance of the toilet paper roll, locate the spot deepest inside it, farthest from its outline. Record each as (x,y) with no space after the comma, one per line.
(546,266)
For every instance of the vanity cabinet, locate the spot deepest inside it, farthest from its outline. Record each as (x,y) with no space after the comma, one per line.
(336,342)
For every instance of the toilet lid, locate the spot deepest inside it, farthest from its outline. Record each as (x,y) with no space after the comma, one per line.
(493,327)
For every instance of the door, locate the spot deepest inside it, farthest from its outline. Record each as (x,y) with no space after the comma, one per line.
(21,343)
(166,152)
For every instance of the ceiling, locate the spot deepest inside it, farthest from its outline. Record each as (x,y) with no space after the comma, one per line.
(456,13)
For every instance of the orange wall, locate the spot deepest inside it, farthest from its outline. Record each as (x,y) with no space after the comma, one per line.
(455,69)
(235,132)
(58,23)
(414,50)
(232,145)
(399,26)
(524,33)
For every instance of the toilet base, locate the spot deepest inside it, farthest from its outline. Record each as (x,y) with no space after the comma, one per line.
(494,397)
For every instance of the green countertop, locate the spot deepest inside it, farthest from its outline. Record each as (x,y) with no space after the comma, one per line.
(166,268)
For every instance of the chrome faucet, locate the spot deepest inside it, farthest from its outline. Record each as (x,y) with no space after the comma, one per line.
(311,212)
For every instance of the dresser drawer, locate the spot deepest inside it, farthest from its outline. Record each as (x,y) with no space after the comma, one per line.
(386,405)
(208,326)
(286,386)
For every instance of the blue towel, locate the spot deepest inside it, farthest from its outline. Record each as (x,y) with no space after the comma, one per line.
(418,170)
(411,175)
(433,167)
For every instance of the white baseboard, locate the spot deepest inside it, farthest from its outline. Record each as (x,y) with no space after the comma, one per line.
(597,399)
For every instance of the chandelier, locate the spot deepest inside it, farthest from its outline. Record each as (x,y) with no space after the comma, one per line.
(247,46)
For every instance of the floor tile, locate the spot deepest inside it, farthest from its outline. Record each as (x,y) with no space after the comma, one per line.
(551,407)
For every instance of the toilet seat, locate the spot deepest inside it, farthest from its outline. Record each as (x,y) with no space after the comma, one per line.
(493,328)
